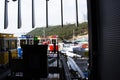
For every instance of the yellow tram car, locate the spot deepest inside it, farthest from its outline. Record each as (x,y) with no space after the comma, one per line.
(7,43)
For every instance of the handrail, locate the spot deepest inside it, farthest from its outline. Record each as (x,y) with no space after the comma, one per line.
(75,67)
(65,68)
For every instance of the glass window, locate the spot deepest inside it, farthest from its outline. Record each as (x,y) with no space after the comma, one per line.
(22,42)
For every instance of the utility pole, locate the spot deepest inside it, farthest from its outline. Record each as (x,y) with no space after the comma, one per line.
(73,35)
(44,31)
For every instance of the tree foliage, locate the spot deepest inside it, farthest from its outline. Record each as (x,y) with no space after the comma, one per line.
(64,33)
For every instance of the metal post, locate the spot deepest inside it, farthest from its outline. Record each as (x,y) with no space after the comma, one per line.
(19,14)
(58,57)
(6,15)
(76,13)
(62,13)
(33,18)
(47,13)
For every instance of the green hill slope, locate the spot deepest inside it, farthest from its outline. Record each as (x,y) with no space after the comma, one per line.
(66,32)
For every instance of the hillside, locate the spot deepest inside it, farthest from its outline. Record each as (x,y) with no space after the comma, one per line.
(64,33)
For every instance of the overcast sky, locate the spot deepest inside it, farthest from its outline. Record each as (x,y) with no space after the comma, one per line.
(54,15)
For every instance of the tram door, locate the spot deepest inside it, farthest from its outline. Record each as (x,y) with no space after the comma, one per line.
(104,31)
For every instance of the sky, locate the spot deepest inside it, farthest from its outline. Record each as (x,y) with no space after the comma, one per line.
(54,14)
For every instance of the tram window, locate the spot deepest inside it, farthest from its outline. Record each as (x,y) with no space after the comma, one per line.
(53,41)
(22,42)
(48,40)
(1,45)
(42,40)
(27,41)
(13,44)
(31,42)
(6,45)
(10,44)
(70,29)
